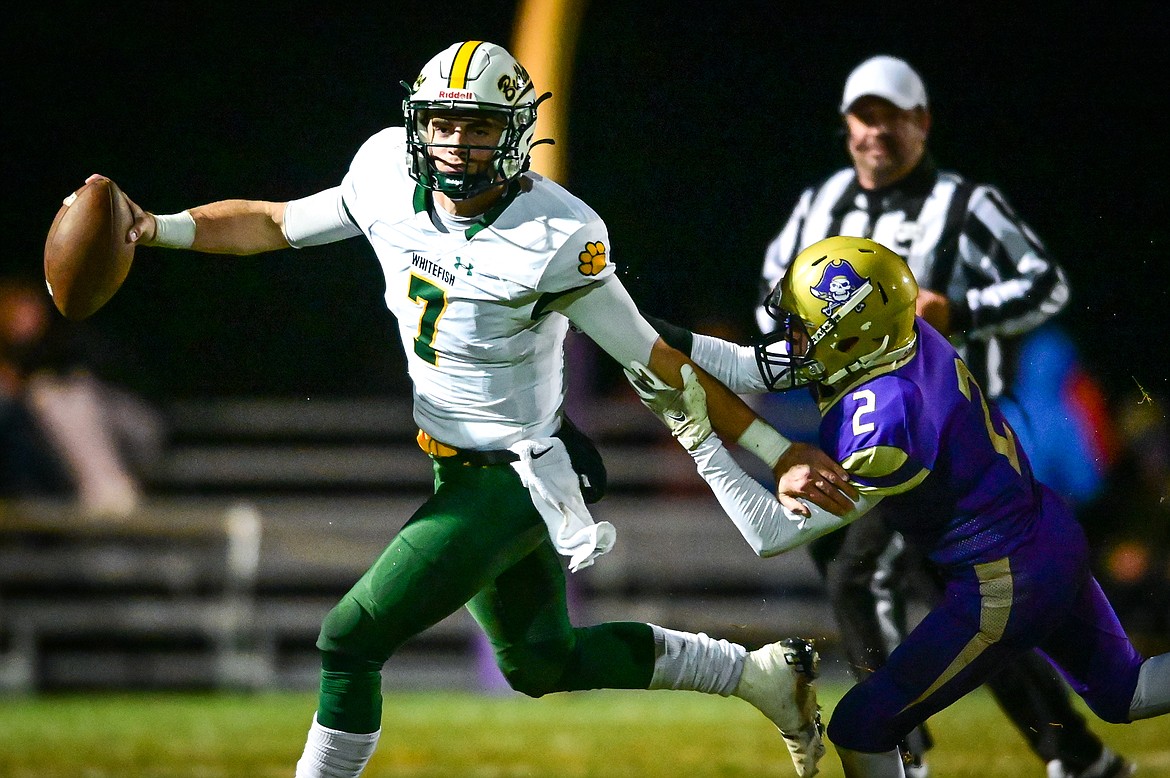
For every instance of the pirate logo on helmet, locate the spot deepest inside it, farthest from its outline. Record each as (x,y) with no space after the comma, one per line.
(838,283)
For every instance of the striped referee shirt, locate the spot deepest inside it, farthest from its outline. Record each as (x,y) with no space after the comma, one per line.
(959,238)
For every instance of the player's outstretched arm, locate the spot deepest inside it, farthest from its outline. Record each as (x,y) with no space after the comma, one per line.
(238,227)
(733,365)
(605,312)
(225,227)
(766,524)
(803,472)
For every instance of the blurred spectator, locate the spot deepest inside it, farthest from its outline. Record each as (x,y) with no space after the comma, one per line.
(66,431)
(1132,539)
(1112,463)
(1060,413)
(29,465)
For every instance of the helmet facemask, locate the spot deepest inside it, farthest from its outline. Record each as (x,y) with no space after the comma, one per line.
(505,164)
(786,357)
(796,362)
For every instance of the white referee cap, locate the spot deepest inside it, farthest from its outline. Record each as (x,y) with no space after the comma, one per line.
(887,77)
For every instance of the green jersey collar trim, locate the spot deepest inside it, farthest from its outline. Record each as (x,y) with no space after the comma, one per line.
(494,212)
(423,201)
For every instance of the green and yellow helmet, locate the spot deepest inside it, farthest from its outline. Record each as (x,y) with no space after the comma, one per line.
(846,305)
(469,78)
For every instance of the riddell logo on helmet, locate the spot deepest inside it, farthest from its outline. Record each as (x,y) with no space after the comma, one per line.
(455,94)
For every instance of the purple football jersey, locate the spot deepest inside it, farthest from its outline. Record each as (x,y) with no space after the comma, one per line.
(953,475)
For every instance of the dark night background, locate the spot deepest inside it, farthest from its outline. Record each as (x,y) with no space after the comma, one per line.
(691,132)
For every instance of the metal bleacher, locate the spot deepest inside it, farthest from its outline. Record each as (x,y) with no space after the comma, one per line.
(263,512)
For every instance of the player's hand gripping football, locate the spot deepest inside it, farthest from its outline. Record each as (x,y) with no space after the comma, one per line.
(683,411)
(142,227)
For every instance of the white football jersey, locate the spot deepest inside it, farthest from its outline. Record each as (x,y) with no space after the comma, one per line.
(484,352)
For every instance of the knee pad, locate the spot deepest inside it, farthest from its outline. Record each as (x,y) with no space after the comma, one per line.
(350,631)
(534,669)
(884,765)
(1110,704)
(1118,678)
(857,726)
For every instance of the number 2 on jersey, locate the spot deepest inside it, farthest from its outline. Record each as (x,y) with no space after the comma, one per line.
(434,303)
(866,401)
(1005,443)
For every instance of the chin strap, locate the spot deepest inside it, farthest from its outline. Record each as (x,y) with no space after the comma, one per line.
(878,356)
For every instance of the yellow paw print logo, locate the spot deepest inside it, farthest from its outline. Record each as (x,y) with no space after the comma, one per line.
(592,259)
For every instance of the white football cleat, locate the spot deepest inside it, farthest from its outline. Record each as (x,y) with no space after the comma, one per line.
(1108,765)
(920,770)
(778,680)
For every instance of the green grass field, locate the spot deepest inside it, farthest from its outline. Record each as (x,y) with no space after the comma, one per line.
(454,735)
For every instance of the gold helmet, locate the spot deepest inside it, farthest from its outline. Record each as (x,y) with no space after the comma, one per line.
(845,305)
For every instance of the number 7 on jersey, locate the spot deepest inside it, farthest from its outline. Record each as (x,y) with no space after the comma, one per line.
(434,303)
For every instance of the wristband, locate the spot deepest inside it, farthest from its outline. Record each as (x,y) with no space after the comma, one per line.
(174,230)
(765,442)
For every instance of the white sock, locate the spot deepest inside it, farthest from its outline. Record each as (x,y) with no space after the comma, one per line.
(1152,695)
(331,753)
(695,662)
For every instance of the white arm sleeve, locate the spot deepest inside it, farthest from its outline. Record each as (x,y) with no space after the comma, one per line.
(734,365)
(606,313)
(318,219)
(767,526)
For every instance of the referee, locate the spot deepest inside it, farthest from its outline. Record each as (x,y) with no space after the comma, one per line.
(985,278)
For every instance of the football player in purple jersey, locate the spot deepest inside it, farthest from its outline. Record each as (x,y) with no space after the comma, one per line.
(903,415)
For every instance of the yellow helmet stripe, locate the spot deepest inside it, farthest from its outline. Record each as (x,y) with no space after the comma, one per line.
(458,78)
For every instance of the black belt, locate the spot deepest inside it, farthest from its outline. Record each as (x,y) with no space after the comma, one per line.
(501,456)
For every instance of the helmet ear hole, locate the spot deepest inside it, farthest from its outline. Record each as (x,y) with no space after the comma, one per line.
(845,344)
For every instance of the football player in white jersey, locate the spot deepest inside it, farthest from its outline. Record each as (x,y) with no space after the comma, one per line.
(486,264)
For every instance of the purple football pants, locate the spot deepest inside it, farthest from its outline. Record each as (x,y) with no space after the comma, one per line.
(1040,595)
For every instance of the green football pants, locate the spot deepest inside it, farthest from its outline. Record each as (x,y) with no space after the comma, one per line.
(477,541)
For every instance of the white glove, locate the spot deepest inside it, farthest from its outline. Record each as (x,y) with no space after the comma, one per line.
(683,411)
